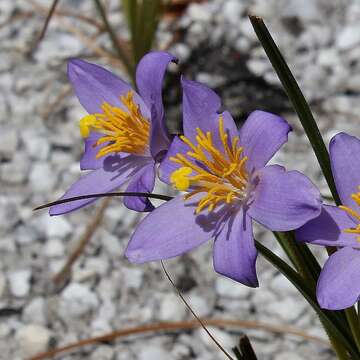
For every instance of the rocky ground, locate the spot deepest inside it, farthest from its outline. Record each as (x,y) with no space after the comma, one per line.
(39,152)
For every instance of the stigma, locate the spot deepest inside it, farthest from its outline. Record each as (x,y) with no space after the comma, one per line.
(218,173)
(123,130)
(354,214)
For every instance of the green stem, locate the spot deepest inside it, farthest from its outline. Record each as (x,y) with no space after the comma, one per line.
(300,256)
(122,56)
(353,321)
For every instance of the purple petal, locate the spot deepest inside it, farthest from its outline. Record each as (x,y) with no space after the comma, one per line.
(115,172)
(262,135)
(94,85)
(143,181)
(167,166)
(200,110)
(344,152)
(149,80)
(283,200)
(88,160)
(339,282)
(168,231)
(327,229)
(234,250)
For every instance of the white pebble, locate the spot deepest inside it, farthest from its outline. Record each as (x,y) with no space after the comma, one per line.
(19,282)
(229,288)
(33,339)
(172,308)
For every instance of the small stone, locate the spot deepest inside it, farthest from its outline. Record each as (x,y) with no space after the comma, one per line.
(16,171)
(133,277)
(99,265)
(221,336)
(8,142)
(198,12)
(42,177)
(2,284)
(172,308)
(33,339)
(348,37)
(229,288)
(111,244)
(288,355)
(182,51)
(200,305)
(232,11)
(152,352)
(103,352)
(37,147)
(281,285)
(34,312)
(19,282)
(54,248)
(77,300)
(288,309)
(57,227)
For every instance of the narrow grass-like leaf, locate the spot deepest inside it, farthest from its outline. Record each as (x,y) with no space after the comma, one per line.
(297,99)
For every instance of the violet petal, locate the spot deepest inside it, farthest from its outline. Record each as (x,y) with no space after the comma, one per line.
(142,181)
(339,282)
(95,85)
(234,250)
(344,152)
(114,173)
(168,231)
(283,200)
(261,136)
(327,229)
(149,80)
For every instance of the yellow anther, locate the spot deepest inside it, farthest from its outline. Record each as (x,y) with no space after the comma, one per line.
(180,178)
(85,125)
(220,174)
(125,130)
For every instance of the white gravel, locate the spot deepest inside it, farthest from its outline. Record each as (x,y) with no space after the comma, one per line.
(39,153)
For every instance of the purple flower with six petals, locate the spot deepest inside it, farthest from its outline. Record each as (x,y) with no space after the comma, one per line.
(125,134)
(338,285)
(228,185)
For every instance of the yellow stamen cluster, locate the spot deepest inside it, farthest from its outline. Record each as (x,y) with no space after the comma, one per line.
(354,214)
(125,130)
(221,174)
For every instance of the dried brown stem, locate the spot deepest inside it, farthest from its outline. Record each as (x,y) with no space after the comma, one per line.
(62,275)
(68,13)
(182,325)
(46,23)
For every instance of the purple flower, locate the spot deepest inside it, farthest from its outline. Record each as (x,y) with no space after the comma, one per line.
(227,183)
(125,134)
(339,282)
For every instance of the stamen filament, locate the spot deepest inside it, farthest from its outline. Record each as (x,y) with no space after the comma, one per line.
(219,173)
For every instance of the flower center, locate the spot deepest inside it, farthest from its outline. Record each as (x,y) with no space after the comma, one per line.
(354,214)
(124,130)
(220,174)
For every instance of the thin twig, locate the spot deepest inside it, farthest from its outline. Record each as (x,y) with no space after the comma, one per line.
(108,194)
(90,43)
(68,13)
(62,275)
(194,314)
(181,325)
(115,41)
(46,23)
(66,90)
